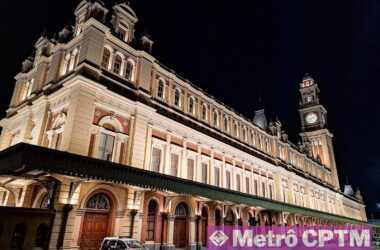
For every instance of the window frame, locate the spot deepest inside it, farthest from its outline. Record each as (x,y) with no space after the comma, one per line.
(204,166)
(130,75)
(161,82)
(204,112)
(177,98)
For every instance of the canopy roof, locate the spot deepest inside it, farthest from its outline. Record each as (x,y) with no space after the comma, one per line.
(22,159)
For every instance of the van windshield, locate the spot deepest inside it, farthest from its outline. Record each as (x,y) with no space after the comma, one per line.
(134,244)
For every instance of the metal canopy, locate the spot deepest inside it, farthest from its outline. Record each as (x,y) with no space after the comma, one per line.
(25,158)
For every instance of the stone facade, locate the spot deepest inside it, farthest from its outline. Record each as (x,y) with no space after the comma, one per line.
(97,91)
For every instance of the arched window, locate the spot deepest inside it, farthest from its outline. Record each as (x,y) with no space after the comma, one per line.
(106,58)
(253,140)
(177,98)
(216,118)
(130,70)
(204,112)
(236,129)
(18,237)
(161,89)
(106,143)
(225,123)
(244,134)
(151,220)
(66,63)
(117,64)
(191,105)
(252,220)
(73,61)
(181,210)
(99,201)
(42,237)
(26,90)
(229,220)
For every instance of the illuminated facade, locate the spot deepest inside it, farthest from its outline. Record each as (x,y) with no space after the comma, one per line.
(96,91)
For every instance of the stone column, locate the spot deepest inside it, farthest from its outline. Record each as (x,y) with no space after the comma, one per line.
(169,245)
(138,226)
(223,172)
(167,164)
(183,166)
(148,152)
(193,231)
(198,165)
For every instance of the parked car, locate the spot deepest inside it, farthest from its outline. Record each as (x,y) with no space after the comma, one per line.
(121,243)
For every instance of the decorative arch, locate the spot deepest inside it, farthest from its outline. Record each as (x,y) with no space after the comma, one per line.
(191,207)
(10,197)
(230,217)
(39,198)
(182,209)
(112,121)
(114,199)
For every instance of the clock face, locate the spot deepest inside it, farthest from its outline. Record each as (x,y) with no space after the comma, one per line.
(311,118)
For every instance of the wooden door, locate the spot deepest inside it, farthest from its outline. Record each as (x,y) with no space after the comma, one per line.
(95,228)
(204,231)
(180,233)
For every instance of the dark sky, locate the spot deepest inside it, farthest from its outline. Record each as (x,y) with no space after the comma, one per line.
(240,50)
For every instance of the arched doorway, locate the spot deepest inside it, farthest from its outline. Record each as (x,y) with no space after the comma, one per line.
(218,217)
(151,220)
(204,223)
(252,222)
(42,237)
(96,222)
(18,237)
(180,226)
(229,220)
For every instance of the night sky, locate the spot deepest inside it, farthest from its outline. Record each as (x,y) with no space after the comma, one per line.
(242,50)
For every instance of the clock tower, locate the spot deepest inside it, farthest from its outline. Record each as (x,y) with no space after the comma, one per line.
(315,133)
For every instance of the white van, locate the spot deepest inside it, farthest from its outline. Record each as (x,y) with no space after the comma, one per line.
(121,243)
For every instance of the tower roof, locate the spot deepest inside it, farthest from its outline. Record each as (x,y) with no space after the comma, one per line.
(260,119)
(307,76)
(125,5)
